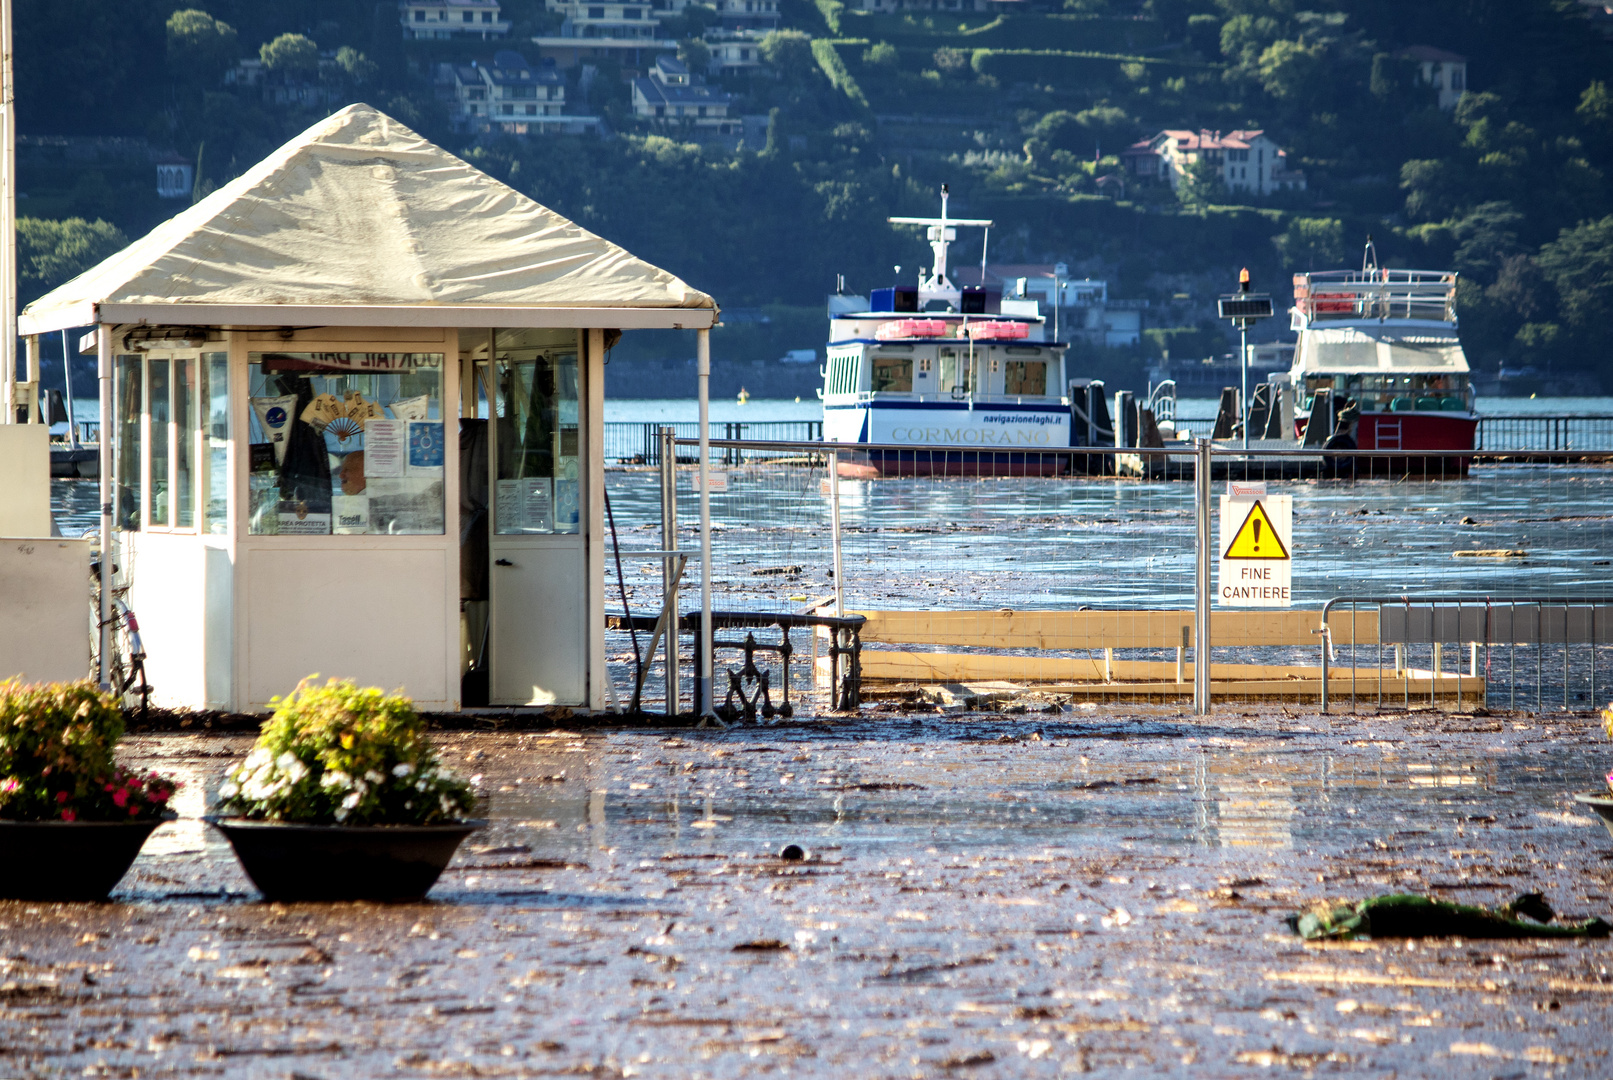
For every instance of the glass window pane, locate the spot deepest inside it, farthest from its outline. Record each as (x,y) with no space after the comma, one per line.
(535,380)
(127,445)
(217,462)
(157,402)
(892,372)
(184,442)
(1026,377)
(346,443)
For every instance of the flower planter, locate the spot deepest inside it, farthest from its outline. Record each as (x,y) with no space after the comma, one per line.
(68,860)
(1602,803)
(292,861)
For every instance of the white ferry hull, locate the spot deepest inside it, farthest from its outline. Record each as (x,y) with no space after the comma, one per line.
(949,438)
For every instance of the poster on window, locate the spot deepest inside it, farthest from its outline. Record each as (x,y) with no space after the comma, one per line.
(425,448)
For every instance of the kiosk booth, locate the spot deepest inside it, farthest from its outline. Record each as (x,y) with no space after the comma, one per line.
(352,415)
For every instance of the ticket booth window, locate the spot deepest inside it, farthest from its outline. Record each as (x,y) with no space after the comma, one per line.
(536,432)
(216,441)
(345,444)
(129,390)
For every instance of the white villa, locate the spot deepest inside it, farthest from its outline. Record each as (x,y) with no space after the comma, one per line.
(1247,161)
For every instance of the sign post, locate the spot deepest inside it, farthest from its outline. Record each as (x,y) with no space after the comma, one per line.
(1244,308)
(1257,547)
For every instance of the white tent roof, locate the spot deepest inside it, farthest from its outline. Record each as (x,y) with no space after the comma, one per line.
(361,222)
(1380,350)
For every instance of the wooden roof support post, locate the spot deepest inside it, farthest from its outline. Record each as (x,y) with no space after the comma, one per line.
(103,368)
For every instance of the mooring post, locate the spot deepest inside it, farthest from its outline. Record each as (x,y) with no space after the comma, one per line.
(1201,592)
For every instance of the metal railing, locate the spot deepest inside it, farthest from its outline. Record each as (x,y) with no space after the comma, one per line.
(899,533)
(1480,622)
(638,443)
(1507,434)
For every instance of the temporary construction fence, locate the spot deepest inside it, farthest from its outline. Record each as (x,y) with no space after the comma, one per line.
(1085,586)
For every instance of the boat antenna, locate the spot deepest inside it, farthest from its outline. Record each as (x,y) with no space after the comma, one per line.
(1369,257)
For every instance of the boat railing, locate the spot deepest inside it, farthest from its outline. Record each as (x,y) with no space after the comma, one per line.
(1347,295)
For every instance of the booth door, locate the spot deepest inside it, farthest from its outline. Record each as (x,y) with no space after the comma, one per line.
(538,623)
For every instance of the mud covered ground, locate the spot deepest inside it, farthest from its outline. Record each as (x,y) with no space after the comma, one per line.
(982,896)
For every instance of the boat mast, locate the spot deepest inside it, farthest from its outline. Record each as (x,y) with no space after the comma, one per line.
(941,231)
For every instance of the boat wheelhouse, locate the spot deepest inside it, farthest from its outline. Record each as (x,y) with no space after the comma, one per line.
(1386,341)
(942,379)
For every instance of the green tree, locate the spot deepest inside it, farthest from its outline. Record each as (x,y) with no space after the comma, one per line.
(51,252)
(1311,243)
(881,54)
(953,63)
(695,54)
(291,54)
(1200,185)
(358,67)
(200,47)
(1579,263)
(1291,70)
(790,54)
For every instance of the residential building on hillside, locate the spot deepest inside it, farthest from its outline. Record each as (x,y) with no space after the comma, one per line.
(1445,71)
(734,50)
(760,15)
(286,87)
(672,95)
(452,18)
(938,5)
(1085,310)
(508,96)
(622,20)
(1247,161)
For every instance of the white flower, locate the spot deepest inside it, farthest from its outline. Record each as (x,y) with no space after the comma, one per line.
(257,758)
(228,789)
(335,778)
(374,777)
(286,760)
(351,801)
(403,769)
(341,815)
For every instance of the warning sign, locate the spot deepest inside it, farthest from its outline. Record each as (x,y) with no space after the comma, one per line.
(1256,565)
(1255,538)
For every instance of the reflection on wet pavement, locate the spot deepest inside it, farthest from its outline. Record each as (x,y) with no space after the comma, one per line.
(980,897)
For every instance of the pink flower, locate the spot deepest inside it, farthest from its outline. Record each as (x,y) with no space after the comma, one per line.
(133,810)
(61,796)
(158,796)
(120,798)
(108,787)
(69,815)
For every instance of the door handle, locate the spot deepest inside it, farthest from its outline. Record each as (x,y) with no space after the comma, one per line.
(503,562)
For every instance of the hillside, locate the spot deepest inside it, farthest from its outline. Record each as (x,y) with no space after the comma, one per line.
(1022,114)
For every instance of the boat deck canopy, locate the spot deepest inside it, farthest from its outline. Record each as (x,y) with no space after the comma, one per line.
(1381,349)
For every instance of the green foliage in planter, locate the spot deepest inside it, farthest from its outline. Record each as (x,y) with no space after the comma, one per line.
(56,757)
(344,754)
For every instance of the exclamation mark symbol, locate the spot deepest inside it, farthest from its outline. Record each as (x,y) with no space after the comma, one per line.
(1256,524)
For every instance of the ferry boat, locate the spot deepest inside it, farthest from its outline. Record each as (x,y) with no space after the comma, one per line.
(1384,340)
(969,379)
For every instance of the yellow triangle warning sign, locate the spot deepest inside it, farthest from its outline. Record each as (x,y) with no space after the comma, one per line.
(1255,538)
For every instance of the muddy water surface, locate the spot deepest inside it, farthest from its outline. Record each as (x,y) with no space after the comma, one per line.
(1026,896)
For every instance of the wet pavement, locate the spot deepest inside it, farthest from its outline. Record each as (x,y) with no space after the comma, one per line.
(1026,895)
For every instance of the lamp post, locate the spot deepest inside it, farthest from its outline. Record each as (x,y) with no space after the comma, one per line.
(1244,309)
